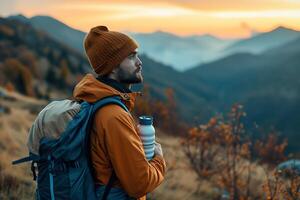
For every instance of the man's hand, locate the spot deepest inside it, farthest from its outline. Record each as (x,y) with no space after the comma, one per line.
(158,150)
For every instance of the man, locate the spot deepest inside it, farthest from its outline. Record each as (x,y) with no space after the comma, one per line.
(115,142)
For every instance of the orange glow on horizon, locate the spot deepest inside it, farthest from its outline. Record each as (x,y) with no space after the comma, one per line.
(230,21)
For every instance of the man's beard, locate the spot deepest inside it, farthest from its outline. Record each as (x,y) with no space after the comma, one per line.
(130,78)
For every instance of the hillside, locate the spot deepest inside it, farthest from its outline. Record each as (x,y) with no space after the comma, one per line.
(267,84)
(17,112)
(34,63)
(56,29)
(192,95)
(181,53)
(46,68)
(14,126)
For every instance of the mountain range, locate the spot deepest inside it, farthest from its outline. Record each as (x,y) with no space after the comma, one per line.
(267,84)
(264,41)
(181,53)
(56,29)
(261,72)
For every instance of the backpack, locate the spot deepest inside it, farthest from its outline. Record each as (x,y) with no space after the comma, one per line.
(59,147)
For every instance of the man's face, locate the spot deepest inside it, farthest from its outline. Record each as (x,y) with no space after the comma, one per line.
(130,69)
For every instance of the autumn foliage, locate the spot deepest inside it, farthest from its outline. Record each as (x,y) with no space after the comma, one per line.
(270,150)
(282,184)
(164,112)
(222,152)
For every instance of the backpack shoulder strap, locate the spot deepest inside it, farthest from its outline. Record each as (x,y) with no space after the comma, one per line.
(99,104)
(109,100)
(103,102)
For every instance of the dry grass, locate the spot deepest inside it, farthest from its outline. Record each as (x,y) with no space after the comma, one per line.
(16,181)
(180,181)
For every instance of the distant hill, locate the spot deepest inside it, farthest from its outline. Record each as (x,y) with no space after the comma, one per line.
(268,85)
(56,29)
(34,63)
(264,41)
(286,49)
(192,94)
(37,65)
(180,52)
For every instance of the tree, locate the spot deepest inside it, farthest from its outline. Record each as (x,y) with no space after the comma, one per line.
(16,72)
(164,112)
(221,151)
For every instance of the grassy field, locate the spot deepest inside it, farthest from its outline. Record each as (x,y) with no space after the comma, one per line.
(16,116)
(16,181)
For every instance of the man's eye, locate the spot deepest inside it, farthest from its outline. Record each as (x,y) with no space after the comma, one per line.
(132,55)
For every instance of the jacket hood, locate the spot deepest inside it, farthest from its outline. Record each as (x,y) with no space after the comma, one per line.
(91,90)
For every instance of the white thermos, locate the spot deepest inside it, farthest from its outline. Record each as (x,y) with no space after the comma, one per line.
(147,134)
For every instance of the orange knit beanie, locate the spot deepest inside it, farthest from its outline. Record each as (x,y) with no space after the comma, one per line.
(107,49)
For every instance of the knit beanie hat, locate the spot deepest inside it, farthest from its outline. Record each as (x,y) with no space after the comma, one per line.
(107,49)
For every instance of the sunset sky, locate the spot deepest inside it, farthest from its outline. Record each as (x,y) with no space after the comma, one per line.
(222,18)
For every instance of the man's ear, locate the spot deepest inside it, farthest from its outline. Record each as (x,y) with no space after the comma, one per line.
(113,73)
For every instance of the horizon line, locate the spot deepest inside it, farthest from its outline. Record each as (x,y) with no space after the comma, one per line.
(158,30)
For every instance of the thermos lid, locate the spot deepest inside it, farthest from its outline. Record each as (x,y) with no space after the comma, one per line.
(146,120)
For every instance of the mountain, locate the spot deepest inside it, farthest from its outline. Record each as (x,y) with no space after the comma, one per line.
(56,29)
(34,63)
(181,53)
(264,41)
(268,86)
(285,49)
(19,17)
(192,95)
(37,65)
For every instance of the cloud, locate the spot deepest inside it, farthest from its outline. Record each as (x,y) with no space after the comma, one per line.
(260,14)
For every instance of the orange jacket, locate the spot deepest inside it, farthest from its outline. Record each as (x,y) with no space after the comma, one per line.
(115,142)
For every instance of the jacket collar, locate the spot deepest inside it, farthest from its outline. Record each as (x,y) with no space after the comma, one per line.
(91,90)
(114,84)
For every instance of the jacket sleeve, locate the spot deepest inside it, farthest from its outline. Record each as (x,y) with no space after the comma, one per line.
(136,175)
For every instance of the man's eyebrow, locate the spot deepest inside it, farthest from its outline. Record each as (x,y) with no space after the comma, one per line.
(133,53)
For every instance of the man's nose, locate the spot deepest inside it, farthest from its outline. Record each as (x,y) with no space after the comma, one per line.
(139,62)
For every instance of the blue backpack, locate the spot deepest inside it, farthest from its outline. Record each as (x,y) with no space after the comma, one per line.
(64,170)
